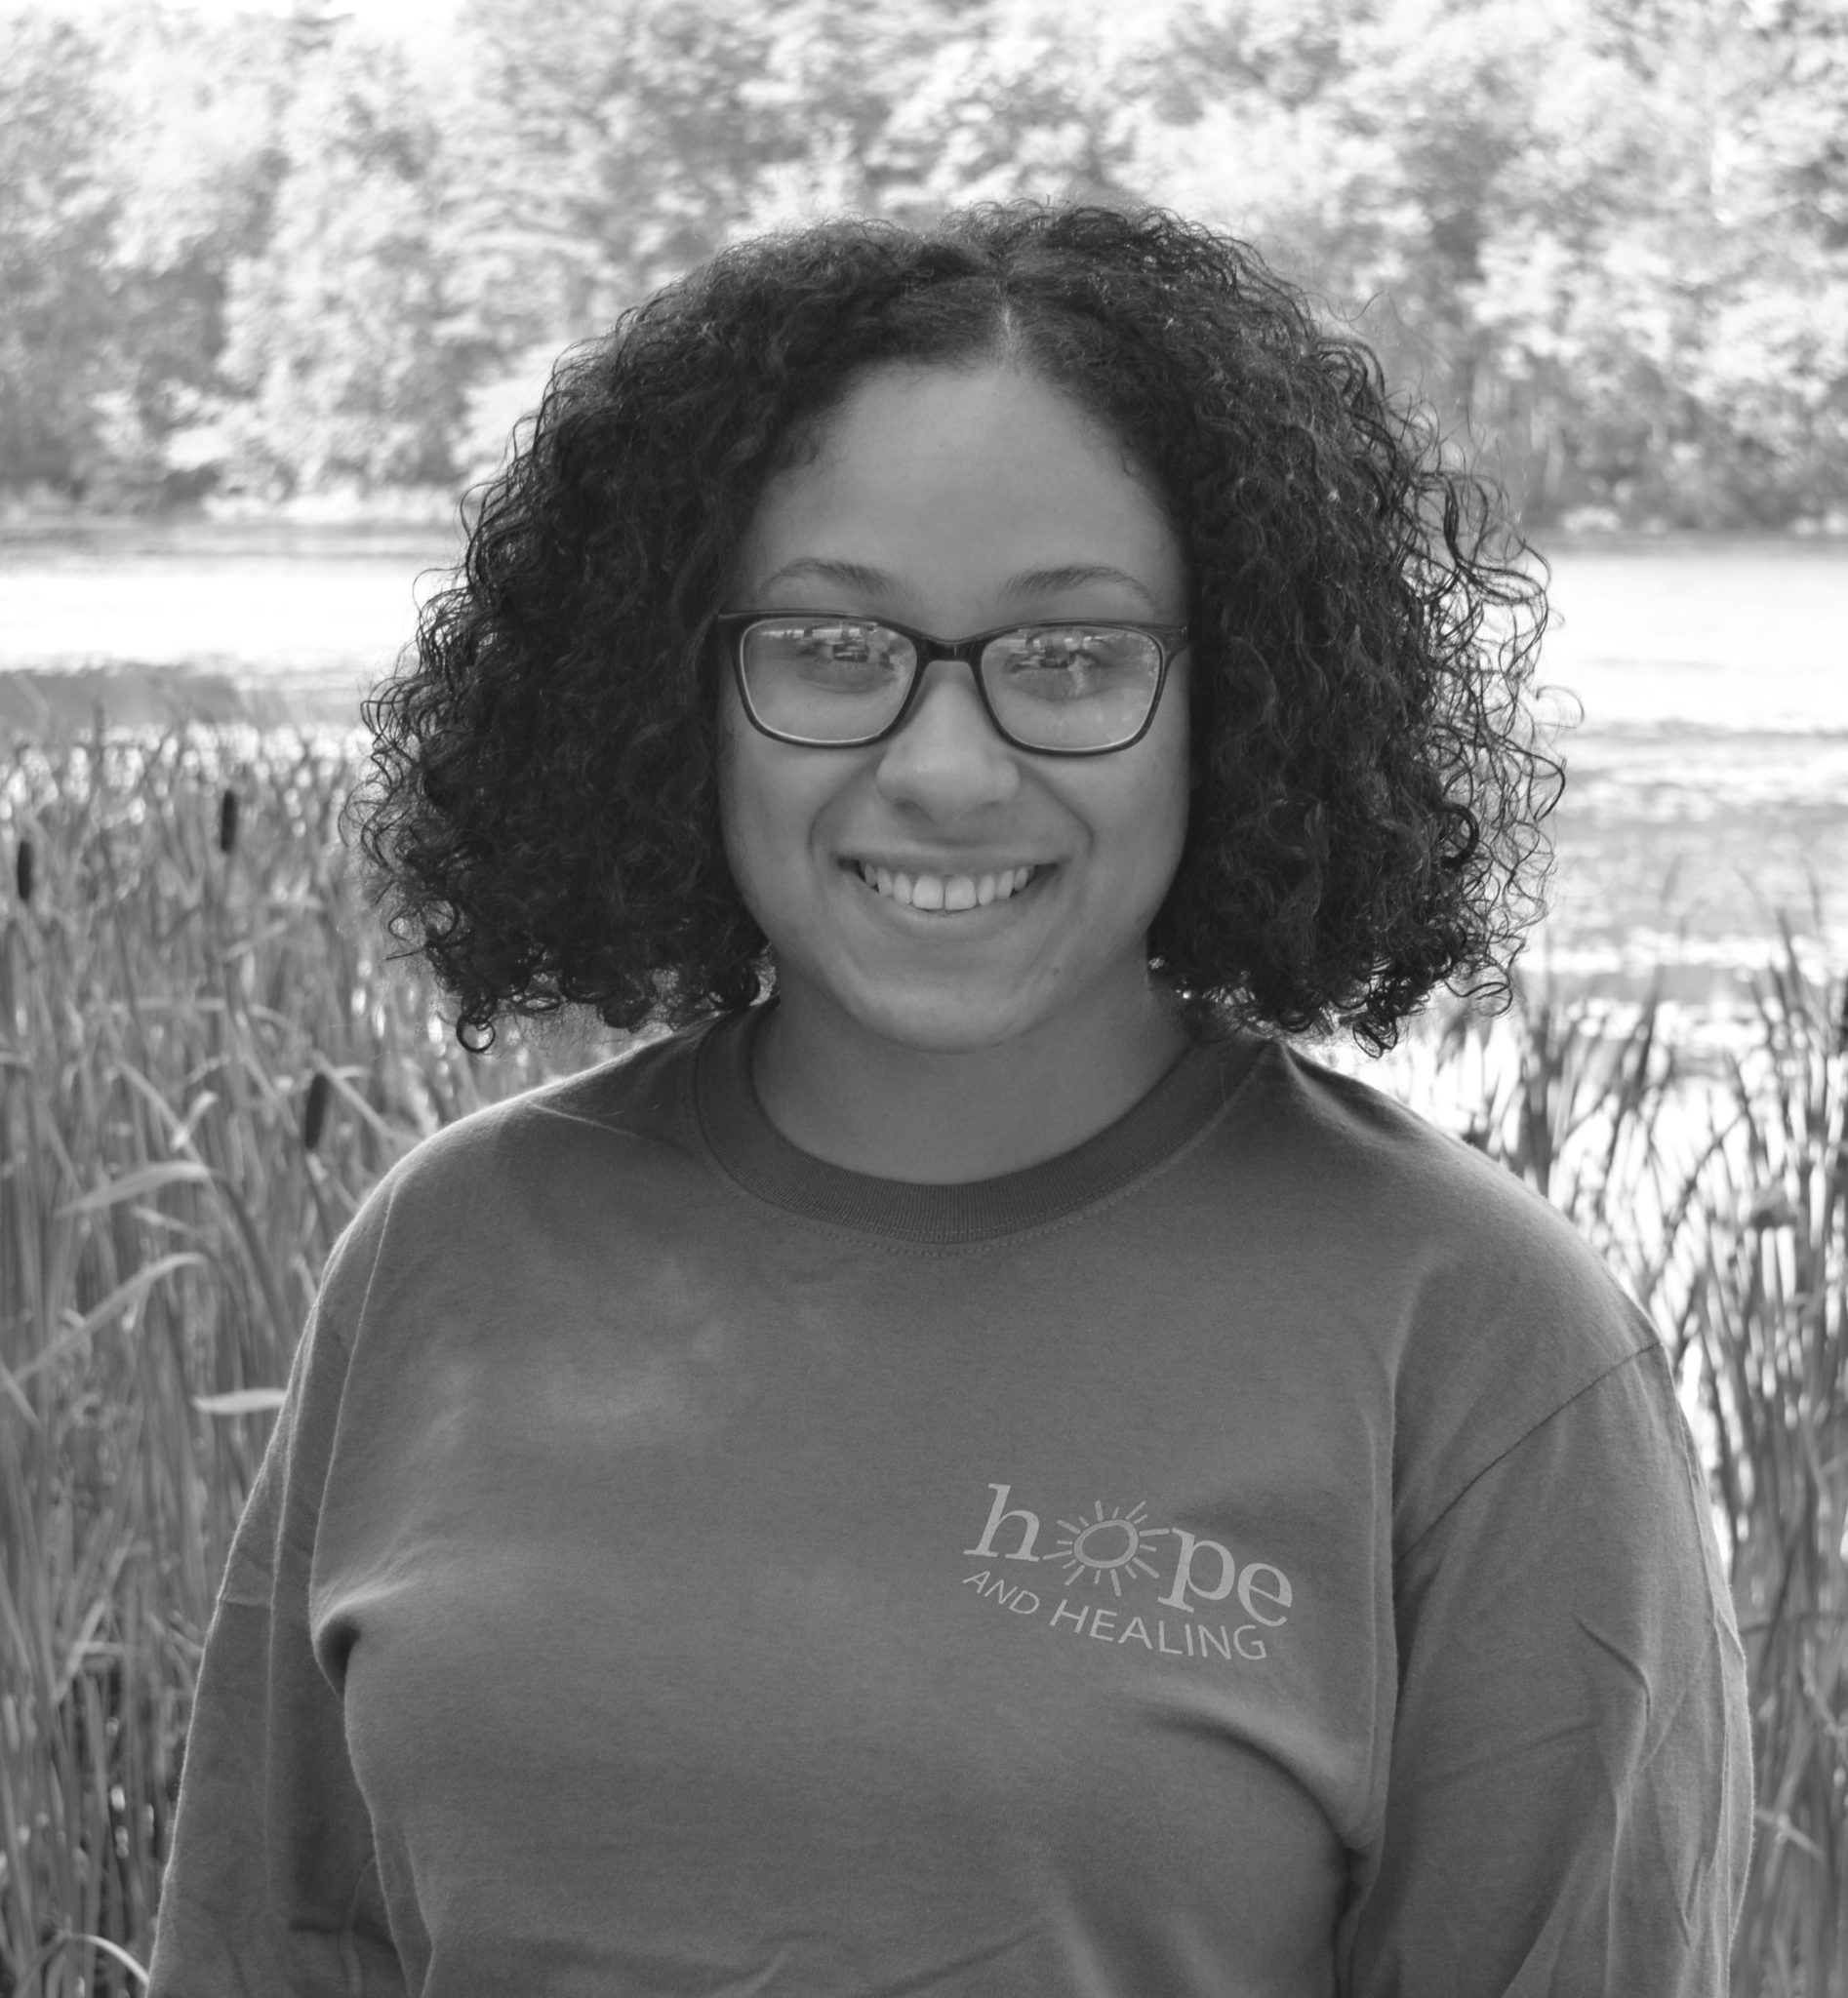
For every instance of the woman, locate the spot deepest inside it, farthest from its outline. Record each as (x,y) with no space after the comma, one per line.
(970,1466)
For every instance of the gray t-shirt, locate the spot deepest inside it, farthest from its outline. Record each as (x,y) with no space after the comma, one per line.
(1259,1551)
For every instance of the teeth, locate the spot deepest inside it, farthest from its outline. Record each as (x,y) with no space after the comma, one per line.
(949,893)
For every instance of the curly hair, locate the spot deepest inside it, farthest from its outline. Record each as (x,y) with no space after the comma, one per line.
(543,809)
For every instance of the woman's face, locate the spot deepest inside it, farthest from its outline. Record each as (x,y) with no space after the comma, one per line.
(960,500)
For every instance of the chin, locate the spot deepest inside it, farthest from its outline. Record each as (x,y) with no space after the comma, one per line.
(947,1022)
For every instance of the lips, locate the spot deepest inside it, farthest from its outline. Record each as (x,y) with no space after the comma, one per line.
(947,893)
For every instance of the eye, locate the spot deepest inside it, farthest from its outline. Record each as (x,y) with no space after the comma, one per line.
(838,655)
(1072,661)
(1061,675)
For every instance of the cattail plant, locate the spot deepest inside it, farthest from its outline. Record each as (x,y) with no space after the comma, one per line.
(314,1110)
(160,1237)
(1767,1312)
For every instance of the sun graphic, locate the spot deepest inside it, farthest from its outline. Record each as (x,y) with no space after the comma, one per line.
(1107,1544)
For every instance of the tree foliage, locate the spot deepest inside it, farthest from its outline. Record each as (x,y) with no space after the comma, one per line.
(342,354)
(1608,237)
(61,365)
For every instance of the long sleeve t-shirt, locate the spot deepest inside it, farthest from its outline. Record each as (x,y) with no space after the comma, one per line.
(1257,1552)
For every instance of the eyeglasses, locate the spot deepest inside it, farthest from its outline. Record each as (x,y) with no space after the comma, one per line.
(822,681)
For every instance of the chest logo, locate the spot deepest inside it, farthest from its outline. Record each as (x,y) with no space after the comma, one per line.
(1122,1546)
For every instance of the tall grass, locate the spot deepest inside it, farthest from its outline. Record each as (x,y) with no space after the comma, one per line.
(1766,1309)
(204,1061)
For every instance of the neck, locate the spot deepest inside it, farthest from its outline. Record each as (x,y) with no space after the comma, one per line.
(849,1096)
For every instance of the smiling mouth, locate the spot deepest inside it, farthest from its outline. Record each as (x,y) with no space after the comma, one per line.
(945,894)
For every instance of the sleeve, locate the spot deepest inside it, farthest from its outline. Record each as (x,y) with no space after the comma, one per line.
(272,1889)
(1569,1800)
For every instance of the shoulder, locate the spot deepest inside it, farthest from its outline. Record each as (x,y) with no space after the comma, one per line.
(1407,1189)
(1353,1127)
(1488,1309)
(634,1099)
(631,1114)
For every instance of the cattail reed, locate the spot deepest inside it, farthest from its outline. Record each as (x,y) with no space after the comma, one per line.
(314,1110)
(22,880)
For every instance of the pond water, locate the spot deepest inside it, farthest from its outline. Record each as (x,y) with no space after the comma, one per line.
(1708,780)
(1708,795)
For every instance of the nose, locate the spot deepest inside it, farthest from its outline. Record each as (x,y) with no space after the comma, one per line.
(948,760)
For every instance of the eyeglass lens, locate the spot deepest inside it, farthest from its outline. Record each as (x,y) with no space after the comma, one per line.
(1051,685)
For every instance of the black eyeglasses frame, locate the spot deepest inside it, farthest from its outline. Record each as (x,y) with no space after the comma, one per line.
(731,625)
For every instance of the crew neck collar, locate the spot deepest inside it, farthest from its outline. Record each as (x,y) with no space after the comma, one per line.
(762,1161)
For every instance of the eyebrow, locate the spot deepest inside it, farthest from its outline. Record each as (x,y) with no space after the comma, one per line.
(1024,583)
(851,574)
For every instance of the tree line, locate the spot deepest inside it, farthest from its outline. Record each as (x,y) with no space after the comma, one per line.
(274,256)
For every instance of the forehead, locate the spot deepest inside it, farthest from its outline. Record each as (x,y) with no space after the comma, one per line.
(934,475)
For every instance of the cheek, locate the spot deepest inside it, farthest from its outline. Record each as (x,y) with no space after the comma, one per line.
(1167,832)
(1154,820)
(1137,832)
(767,816)
(741,806)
